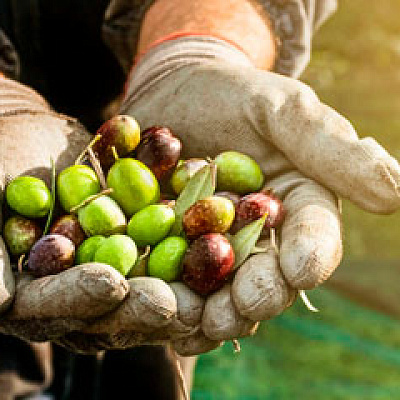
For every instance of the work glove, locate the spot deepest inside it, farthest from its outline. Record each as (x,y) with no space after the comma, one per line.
(46,308)
(211,96)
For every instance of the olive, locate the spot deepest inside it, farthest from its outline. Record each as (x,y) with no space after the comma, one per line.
(75,184)
(122,132)
(165,260)
(160,150)
(50,255)
(20,234)
(29,196)
(184,171)
(238,173)
(213,214)
(134,185)
(85,252)
(208,263)
(254,206)
(151,224)
(102,216)
(119,251)
(68,226)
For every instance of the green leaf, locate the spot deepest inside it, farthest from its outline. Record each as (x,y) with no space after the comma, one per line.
(244,241)
(200,186)
(53,197)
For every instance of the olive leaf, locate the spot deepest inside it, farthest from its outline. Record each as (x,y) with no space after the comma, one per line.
(244,241)
(139,268)
(201,185)
(53,197)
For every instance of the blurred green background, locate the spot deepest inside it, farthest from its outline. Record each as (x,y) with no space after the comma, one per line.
(351,348)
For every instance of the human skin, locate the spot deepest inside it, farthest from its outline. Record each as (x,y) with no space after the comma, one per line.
(241,22)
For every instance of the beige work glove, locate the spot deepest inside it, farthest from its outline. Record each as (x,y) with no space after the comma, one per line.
(211,96)
(46,308)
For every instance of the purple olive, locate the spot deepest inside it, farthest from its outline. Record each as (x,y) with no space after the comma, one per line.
(50,255)
(160,150)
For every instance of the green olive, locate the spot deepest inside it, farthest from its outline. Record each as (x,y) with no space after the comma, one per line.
(119,251)
(102,216)
(151,224)
(238,173)
(166,258)
(75,184)
(87,249)
(29,196)
(134,185)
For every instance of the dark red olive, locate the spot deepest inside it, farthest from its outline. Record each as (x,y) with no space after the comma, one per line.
(208,263)
(50,255)
(160,150)
(254,206)
(68,226)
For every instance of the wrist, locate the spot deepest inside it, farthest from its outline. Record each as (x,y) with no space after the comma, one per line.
(236,21)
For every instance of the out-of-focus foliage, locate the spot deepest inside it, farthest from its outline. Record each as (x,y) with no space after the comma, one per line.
(346,351)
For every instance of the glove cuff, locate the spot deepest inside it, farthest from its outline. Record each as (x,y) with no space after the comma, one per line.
(172,55)
(293,23)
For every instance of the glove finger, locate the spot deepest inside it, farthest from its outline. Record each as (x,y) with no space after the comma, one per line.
(53,305)
(7,284)
(311,246)
(84,343)
(190,305)
(221,320)
(259,289)
(151,304)
(324,146)
(197,343)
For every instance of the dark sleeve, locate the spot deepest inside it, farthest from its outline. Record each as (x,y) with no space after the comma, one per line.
(294,23)
(25,368)
(9,61)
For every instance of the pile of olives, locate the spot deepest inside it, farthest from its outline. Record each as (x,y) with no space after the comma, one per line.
(123,213)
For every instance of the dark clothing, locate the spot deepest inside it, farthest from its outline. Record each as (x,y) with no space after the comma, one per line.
(62,54)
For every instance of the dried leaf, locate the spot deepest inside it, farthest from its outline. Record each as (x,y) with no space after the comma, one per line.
(201,185)
(244,241)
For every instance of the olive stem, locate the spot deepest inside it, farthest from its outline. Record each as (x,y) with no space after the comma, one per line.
(213,170)
(273,241)
(85,150)
(179,374)
(115,153)
(97,168)
(90,199)
(147,251)
(307,301)
(236,346)
(20,263)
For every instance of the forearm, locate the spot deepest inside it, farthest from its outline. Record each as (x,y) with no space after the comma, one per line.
(237,21)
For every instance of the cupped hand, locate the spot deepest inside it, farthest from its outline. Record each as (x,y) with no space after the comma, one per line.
(46,308)
(310,156)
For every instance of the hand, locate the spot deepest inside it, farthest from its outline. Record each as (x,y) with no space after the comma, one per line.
(76,307)
(308,152)
(46,308)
